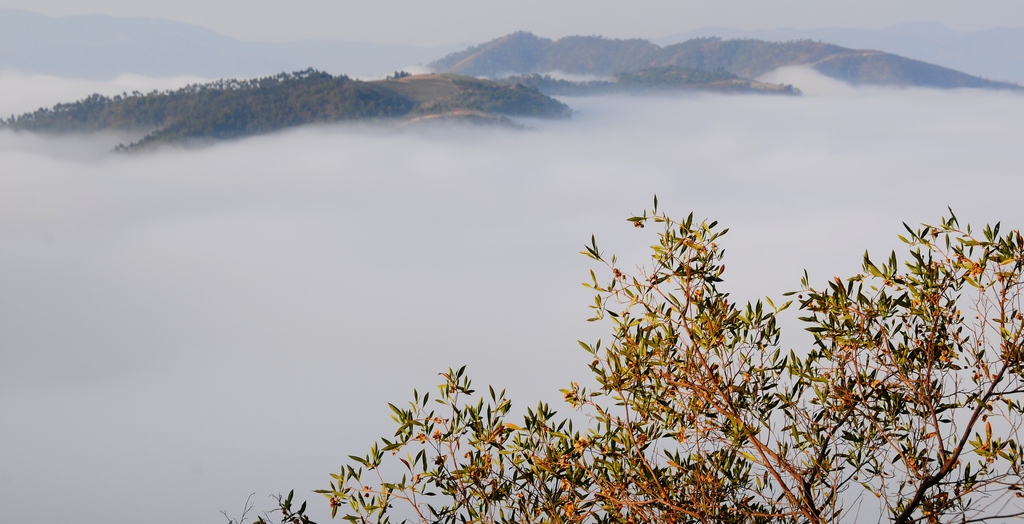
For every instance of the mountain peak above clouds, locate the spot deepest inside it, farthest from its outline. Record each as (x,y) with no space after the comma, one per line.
(989,53)
(525,53)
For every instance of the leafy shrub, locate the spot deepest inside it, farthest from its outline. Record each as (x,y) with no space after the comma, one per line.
(907,404)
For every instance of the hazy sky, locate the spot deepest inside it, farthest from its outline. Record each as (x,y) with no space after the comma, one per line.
(454,21)
(179,329)
(182,328)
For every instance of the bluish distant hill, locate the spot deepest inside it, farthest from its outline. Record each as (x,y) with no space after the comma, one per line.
(100,47)
(991,53)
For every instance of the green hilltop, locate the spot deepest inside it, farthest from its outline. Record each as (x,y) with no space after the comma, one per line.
(237,108)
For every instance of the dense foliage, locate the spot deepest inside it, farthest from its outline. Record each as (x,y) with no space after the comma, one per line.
(235,108)
(524,53)
(906,407)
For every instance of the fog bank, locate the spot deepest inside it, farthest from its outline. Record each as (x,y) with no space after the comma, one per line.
(182,328)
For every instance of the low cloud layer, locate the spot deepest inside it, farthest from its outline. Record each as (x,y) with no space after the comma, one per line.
(24,93)
(181,328)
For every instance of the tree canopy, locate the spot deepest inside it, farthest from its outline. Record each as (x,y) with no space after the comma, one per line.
(906,407)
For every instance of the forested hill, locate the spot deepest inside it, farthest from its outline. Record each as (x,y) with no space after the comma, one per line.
(525,53)
(236,108)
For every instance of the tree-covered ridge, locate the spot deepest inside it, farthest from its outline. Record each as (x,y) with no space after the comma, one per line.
(655,79)
(236,108)
(525,53)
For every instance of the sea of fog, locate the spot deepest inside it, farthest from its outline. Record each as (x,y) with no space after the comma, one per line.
(181,328)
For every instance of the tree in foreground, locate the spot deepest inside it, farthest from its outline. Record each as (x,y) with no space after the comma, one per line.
(906,407)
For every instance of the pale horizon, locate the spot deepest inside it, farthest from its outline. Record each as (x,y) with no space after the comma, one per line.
(457,22)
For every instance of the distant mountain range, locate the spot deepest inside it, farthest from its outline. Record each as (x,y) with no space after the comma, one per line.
(101,47)
(237,108)
(517,64)
(990,53)
(526,53)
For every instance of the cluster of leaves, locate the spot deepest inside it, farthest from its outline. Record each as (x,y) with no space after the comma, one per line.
(904,406)
(236,108)
(288,515)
